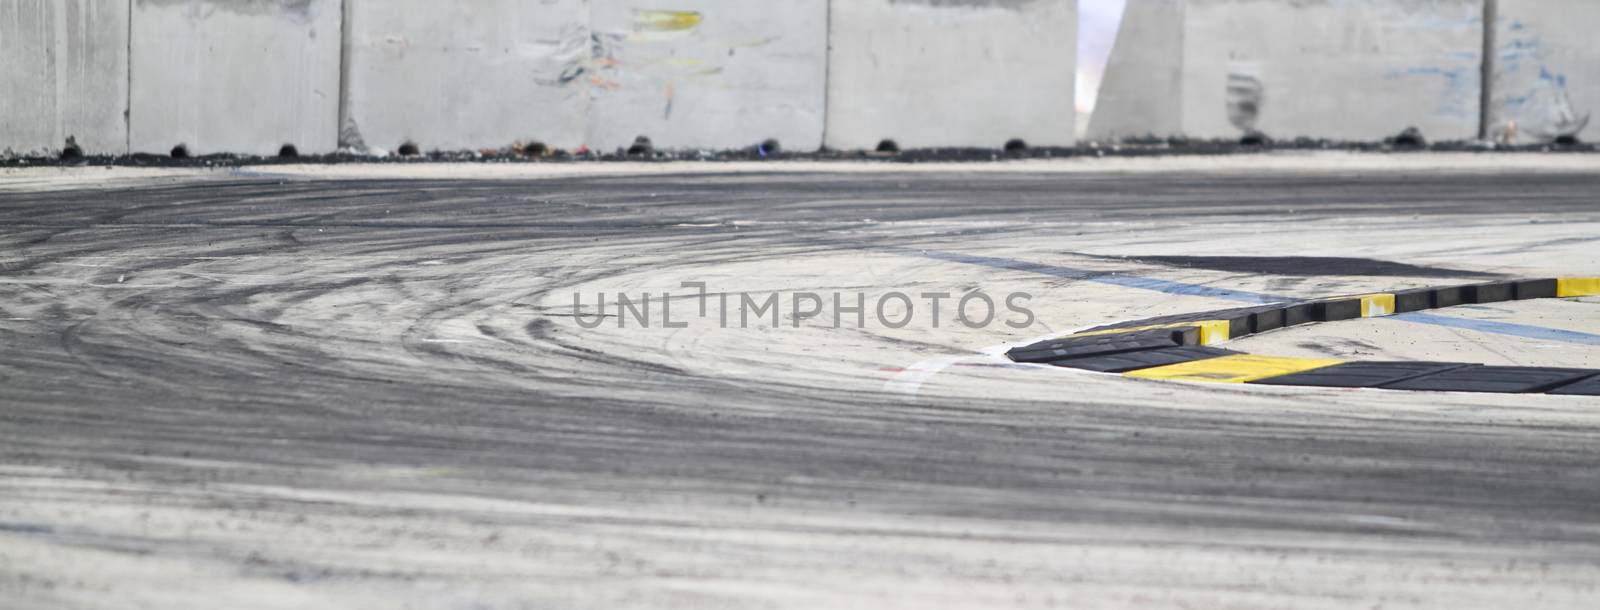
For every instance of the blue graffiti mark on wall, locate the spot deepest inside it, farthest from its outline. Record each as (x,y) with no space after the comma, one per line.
(1449,69)
(1458,98)
(1534,103)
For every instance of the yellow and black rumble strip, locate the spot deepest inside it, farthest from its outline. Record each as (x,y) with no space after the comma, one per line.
(1182,347)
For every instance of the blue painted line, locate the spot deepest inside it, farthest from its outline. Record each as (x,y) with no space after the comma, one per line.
(1100,277)
(1195,290)
(1526,331)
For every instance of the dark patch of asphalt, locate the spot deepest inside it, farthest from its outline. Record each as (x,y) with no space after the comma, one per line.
(1304,266)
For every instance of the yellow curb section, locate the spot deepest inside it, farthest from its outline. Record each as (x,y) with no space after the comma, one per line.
(1375,305)
(1211,331)
(1233,369)
(1578,286)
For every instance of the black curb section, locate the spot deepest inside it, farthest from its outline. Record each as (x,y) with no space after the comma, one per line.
(1164,341)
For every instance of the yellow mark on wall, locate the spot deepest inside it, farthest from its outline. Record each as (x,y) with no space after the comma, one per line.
(666,21)
(753,42)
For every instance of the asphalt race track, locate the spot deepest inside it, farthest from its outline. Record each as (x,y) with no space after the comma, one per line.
(275,390)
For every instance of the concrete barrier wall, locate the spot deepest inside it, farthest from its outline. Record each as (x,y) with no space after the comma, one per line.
(242,76)
(467,75)
(248,76)
(63,74)
(952,72)
(709,73)
(1338,69)
(1548,77)
(1141,94)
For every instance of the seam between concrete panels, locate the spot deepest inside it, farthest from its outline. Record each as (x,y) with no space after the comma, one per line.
(587,116)
(827,76)
(346,8)
(127,91)
(1488,67)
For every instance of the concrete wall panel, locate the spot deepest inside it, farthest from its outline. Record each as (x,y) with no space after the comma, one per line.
(467,75)
(63,73)
(1548,79)
(1141,94)
(242,76)
(1340,69)
(709,73)
(952,72)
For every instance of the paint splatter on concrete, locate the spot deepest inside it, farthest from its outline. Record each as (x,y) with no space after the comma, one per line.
(301,10)
(1535,103)
(666,21)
